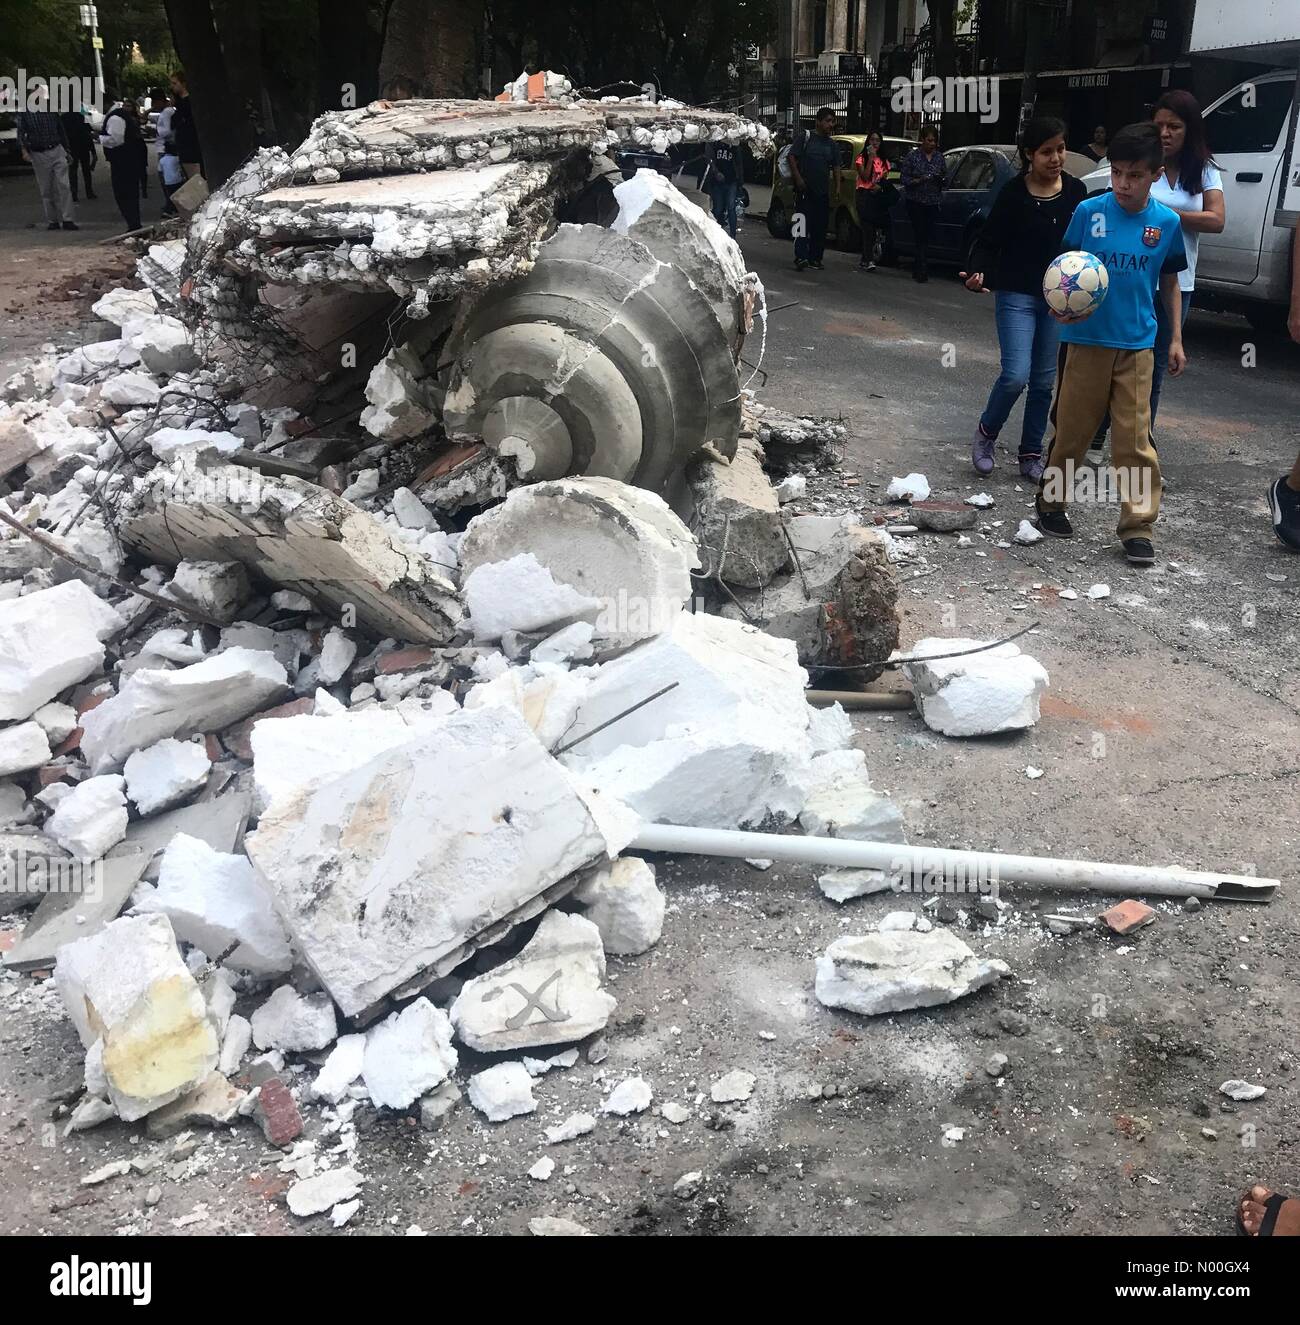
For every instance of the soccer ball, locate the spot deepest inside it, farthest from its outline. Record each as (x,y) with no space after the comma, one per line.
(1074,285)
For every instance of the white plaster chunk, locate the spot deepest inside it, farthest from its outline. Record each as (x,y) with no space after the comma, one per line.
(625,904)
(631,1096)
(734,1088)
(235,1044)
(408,1054)
(165,774)
(575,1125)
(897,970)
(128,986)
(315,1195)
(336,655)
(92,818)
(502,1092)
(23,746)
(994,691)
(57,721)
(170,444)
(128,389)
(841,802)
(521,595)
(294,1023)
(344,1065)
(218,589)
(844,885)
(400,402)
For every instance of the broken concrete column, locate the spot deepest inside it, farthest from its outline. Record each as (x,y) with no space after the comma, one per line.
(50,640)
(729,745)
(423,848)
(204,697)
(297,536)
(738,519)
(996,690)
(617,544)
(128,987)
(842,610)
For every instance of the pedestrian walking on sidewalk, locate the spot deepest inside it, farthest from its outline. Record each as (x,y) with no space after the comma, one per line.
(922,175)
(1020,238)
(873,206)
(44,142)
(724,183)
(81,151)
(117,138)
(184,130)
(812,165)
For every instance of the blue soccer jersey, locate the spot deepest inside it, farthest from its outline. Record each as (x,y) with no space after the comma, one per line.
(1137,248)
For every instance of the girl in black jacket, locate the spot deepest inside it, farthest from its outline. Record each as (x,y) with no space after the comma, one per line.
(1020,238)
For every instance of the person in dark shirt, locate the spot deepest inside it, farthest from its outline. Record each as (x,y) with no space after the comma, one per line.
(724,183)
(44,142)
(81,150)
(1097,148)
(873,208)
(812,164)
(922,176)
(120,132)
(1020,238)
(185,134)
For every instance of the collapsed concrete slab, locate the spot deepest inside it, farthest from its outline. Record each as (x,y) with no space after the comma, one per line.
(551,993)
(204,697)
(996,690)
(896,970)
(128,988)
(619,545)
(727,746)
(50,640)
(839,606)
(297,536)
(390,870)
(738,518)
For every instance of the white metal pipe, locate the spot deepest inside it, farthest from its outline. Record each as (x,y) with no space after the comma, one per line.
(941,864)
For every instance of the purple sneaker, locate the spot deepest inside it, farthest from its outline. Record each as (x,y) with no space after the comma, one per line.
(981,452)
(1031,467)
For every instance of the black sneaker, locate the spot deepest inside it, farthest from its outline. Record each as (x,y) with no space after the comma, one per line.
(1139,552)
(1056,524)
(71,225)
(800,264)
(1284,507)
(54,225)
(821,266)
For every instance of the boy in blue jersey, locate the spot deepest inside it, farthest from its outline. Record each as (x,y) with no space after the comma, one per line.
(1106,359)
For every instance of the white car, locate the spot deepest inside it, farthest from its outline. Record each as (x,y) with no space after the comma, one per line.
(1246,268)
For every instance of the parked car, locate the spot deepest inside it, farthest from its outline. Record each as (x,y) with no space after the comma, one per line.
(973,175)
(844,208)
(11,155)
(1246,268)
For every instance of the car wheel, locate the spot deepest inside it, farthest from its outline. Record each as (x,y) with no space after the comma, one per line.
(1267,319)
(778,222)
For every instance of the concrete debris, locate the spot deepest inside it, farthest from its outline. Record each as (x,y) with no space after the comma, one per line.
(943,517)
(401,405)
(734,1088)
(204,697)
(502,1092)
(910,488)
(424,847)
(342,1067)
(676,1113)
(235,1044)
(92,818)
(408,1055)
(128,987)
(844,885)
(575,1125)
(214,1102)
(841,803)
(539,1067)
(23,746)
(687,1187)
(625,904)
(120,306)
(164,774)
(313,1196)
(551,993)
(738,519)
(186,446)
(57,721)
(995,690)
(549,1226)
(1127,916)
(628,1097)
(162,343)
(214,902)
(1098,591)
(619,546)
(435,1106)
(217,589)
(1026,534)
(896,970)
(50,640)
(1242,1091)
(294,1023)
(129,389)
(521,595)
(90,1112)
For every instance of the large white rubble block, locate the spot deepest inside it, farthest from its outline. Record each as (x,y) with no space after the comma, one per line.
(623,901)
(548,703)
(217,589)
(91,818)
(340,1069)
(742,537)
(894,970)
(727,747)
(299,537)
(655,212)
(408,1054)
(400,403)
(173,444)
(293,753)
(502,1092)
(50,640)
(620,545)
(214,900)
(521,595)
(23,746)
(162,343)
(95,358)
(294,1023)
(164,774)
(551,993)
(841,802)
(204,697)
(997,690)
(131,388)
(128,987)
(121,306)
(389,870)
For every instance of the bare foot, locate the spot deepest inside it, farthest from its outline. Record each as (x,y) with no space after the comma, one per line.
(1252,1210)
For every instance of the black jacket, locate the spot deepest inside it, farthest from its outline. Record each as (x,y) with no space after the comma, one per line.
(1023,234)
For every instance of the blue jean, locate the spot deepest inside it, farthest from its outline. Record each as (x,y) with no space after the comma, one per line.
(725,193)
(1164,337)
(1028,336)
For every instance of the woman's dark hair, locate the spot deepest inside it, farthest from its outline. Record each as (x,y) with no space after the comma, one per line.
(1195,155)
(882,155)
(1041,129)
(928,131)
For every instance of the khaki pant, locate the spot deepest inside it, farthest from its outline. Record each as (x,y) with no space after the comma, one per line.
(51,167)
(1091,378)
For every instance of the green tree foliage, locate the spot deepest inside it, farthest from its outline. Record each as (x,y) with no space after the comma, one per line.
(44,38)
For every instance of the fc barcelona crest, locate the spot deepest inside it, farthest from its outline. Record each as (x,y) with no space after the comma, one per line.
(1151,236)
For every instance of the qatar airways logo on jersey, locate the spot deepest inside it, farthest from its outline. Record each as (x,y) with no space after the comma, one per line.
(1124,262)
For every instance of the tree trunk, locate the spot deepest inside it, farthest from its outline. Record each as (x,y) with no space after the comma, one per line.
(239,29)
(348,62)
(225,131)
(435,42)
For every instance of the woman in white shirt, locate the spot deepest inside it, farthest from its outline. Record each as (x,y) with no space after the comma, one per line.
(1191,184)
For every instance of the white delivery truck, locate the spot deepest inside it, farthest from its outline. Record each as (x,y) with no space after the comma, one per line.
(1252,133)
